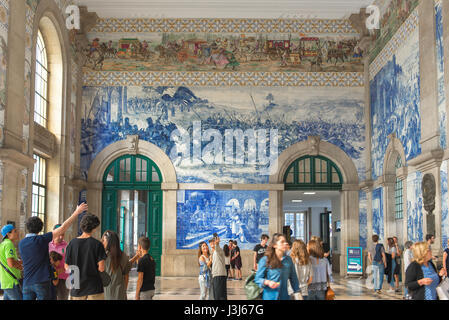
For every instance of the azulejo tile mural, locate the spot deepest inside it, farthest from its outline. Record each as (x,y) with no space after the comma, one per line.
(444,205)
(286,52)
(392,19)
(233,215)
(399,39)
(414,207)
(440,63)
(363,219)
(195,126)
(378,213)
(395,100)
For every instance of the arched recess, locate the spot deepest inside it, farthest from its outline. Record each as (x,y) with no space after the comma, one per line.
(49,20)
(394,181)
(133,146)
(349,199)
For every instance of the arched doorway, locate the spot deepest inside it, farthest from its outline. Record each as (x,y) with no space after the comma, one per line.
(132,203)
(335,175)
(312,185)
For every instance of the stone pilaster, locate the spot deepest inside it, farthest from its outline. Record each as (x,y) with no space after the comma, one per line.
(430,132)
(15,101)
(445,12)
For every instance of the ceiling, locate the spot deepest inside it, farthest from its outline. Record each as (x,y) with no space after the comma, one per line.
(252,9)
(322,199)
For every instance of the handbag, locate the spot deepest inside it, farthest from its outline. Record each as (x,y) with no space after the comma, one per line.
(252,290)
(443,289)
(330,294)
(105,278)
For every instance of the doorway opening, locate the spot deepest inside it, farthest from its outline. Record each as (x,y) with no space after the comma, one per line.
(132,204)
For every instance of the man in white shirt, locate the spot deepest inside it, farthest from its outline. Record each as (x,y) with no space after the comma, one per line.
(219,273)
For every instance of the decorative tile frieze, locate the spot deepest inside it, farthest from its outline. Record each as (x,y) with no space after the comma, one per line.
(398,40)
(308,26)
(205,79)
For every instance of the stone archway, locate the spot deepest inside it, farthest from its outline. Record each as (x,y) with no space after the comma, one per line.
(132,145)
(349,206)
(394,151)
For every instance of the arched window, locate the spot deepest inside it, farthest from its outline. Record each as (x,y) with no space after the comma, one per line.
(41,83)
(398,193)
(313,173)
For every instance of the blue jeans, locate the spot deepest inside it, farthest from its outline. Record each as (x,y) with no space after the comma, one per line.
(316,295)
(12,294)
(378,275)
(393,266)
(38,291)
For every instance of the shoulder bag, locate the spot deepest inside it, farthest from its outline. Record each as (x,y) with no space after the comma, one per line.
(20,281)
(252,290)
(330,294)
(443,289)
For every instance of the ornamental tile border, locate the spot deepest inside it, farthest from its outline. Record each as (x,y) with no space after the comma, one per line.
(4,24)
(306,26)
(229,79)
(398,40)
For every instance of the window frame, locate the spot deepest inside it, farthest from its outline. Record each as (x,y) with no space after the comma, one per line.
(398,194)
(41,94)
(39,181)
(310,171)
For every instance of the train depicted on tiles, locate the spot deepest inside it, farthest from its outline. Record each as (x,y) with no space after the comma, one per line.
(187,52)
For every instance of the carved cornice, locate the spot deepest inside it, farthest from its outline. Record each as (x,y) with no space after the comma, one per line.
(44,141)
(16,158)
(366,186)
(428,161)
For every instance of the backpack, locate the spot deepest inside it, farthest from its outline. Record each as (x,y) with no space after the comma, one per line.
(252,289)
(378,255)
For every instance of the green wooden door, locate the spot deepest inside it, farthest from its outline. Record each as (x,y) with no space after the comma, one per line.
(155,227)
(134,172)
(109,211)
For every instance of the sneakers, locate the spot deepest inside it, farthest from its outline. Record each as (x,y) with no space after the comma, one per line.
(390,291)
(378,291)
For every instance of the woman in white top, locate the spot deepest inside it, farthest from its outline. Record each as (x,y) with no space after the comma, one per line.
(408,259)
(303,266)
(205,263)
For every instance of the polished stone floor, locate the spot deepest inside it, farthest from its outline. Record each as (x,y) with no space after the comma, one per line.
(187,288)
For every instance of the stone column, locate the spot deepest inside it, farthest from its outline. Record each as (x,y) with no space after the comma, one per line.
(430,132)
(350,231)
(94,201)
(368,170)
(275,212)
(15,105)
(445,13)
(388,183)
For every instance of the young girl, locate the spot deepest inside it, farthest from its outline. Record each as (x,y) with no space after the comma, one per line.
(227,254)
(205,262)
(55,261)
(322,274)
(303,266)
(238,262)
(275,269)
